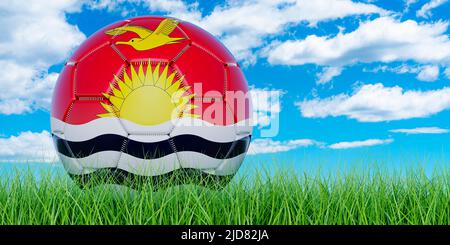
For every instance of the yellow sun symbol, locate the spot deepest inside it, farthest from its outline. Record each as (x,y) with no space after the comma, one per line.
(148,98)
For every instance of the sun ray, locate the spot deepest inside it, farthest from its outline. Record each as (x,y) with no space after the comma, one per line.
(116,101)
(189,107)
(141,74)
(117,93)
(109,108)
(183,99)
(135,78)
(124,88)
(169,80)
(149,74)
(190,96)
(113,88)
(156,73)
(117,79)
(162,78)
(107,115)
(127,80)
(174,87)
(177,95)
(191,115)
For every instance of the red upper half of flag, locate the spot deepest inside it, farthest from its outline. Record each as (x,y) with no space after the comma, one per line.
(204,64)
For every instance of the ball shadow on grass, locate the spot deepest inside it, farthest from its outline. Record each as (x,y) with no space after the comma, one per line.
(117,176)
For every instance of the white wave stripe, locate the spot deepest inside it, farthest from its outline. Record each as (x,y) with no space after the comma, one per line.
(102,159)
(72,166)
(111,125)
(82,165)
(153,167)
(87,131)
(148,167)
(190,159)
(171,162)
(210,165)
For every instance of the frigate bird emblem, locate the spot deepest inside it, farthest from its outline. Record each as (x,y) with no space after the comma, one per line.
(148,39)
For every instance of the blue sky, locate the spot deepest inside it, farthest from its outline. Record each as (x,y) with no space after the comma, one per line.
(357,79)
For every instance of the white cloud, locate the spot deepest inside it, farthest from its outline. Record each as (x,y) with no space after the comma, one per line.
(327,74)
(401,69)
(260,146)
(34,37)
(383,39)
(357,144)
(26,88)
(447,72)
(252,20)
(109,5)
(28,146)
(376,103)
(425,11)
(408,4)
(428,73)
(266,105)
(255,20)
(175,8)
(14,106)
(421,130)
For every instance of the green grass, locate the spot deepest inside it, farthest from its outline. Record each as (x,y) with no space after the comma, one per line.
(287,197)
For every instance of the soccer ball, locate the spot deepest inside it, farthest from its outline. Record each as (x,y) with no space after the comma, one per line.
(148,97)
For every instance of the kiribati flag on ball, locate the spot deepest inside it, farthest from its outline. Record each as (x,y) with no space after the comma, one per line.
(148,96)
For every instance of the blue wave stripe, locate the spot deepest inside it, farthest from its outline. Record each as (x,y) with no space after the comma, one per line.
(153,150)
